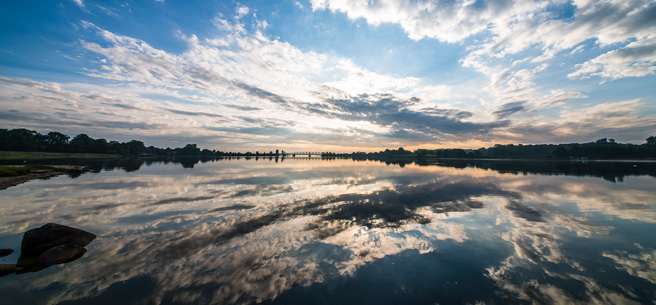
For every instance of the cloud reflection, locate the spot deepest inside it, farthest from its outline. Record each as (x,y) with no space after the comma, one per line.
(264,228)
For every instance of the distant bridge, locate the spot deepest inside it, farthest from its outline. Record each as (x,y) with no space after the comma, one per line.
(304,153)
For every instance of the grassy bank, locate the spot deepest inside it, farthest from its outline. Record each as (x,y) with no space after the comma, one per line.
(12,171)
(22,155)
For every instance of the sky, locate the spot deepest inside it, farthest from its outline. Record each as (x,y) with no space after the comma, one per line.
(331,75)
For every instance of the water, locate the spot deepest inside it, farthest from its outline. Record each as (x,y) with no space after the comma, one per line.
(310,231)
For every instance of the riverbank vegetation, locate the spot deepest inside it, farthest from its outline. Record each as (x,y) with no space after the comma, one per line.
(28,144)
(598,150)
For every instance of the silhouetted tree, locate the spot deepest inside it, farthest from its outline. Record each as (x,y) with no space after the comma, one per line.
(22,139)
(189,150)
(100,146)
(136,147)
(116,147)
(56,141)
(651,141)
(81,143)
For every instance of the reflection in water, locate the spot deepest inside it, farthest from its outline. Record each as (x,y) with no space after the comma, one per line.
(244,231)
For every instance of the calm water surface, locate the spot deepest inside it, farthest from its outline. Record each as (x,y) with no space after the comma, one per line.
(344,232)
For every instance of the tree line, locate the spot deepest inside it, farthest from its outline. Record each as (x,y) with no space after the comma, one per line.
(600,149)
(22,139)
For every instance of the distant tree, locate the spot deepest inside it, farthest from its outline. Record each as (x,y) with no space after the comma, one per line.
(651,141)
(612,141)
(100,146)
(56,141)
(189,150)
(136,147)
(116,147)
(22,139)
(81,143)
(4,139)
(602,141)
(560,152)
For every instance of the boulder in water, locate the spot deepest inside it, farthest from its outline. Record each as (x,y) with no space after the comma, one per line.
(39,240)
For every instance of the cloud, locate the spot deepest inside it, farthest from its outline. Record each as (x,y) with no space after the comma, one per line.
(391,112)
(79,3)
(512,42)
(509,109)
(619,120)
(211,86)
(191,113)
(636,59)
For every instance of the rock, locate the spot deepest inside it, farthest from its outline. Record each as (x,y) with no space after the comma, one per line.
(61,254)
(5,252)
(51,235)
(8,269)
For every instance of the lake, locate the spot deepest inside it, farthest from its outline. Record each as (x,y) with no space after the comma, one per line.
(313,231)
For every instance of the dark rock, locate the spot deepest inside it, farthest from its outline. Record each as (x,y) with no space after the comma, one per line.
(5,252)
(61,254)
(8,269)
(51,235)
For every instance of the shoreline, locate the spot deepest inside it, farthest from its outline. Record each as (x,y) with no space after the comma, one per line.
(41,174)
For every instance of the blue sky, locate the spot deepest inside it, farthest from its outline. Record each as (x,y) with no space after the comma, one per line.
(331,75)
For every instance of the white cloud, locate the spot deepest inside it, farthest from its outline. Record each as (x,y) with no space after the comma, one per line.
(527,33)
(635,59)
(79,3)
(510,27)
(241,11)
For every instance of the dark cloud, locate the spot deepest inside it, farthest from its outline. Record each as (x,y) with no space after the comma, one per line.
(267,131)
(67,122)
(15,115)
(121,105)
(263,94)
(192,113)
(509,109)
(243,108)
(389,111)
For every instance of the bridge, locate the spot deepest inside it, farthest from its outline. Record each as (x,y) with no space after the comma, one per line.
(304,153)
